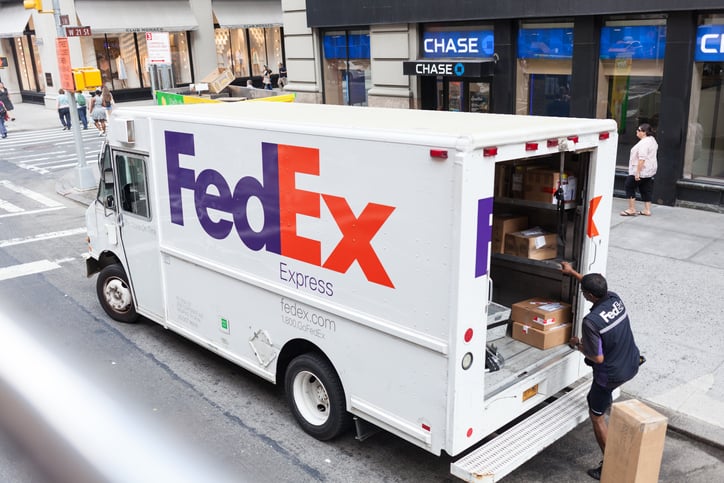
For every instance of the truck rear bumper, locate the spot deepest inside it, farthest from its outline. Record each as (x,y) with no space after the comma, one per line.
(505,453)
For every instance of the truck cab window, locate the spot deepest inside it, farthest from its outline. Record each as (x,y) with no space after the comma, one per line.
(131,171)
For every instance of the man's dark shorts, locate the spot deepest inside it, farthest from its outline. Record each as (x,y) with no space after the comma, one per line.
(599,398)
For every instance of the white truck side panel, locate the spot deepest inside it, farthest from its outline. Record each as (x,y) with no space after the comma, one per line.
(337,226)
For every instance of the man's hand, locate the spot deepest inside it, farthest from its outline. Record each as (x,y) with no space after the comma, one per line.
(567,269)
(574,341)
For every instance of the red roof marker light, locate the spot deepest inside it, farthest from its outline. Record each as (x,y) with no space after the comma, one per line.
(438,153)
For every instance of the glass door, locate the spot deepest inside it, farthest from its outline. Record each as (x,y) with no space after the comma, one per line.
(460,95)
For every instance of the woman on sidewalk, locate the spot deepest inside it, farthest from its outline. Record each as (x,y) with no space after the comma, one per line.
(5,99)
(4,116)
(642,167)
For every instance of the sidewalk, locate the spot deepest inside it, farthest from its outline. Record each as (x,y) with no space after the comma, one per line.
(669,270)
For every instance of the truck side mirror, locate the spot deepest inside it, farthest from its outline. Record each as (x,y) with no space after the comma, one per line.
(108,178)
(109,202)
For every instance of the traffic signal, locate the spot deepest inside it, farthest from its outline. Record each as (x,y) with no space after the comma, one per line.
(36,4)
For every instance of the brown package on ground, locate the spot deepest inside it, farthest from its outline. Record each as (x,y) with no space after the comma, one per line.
(541,313)
(635,444)
(542,339)
(504,224)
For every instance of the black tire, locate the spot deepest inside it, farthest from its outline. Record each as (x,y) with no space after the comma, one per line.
(114,294)
(316,396)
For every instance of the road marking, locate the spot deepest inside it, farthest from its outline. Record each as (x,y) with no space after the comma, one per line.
(23,269)
(7,206)
(32,212)
(41,237)
(42,199)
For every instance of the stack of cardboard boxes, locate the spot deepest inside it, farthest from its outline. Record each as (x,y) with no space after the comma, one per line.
(512,236)
(541,322)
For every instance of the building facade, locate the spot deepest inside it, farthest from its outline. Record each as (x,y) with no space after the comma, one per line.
(660,64)
(202,35)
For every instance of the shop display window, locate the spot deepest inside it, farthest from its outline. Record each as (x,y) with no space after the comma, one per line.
(31,69)
(545,53)
(122,59)
(630,77)
(347,74)
(246,51)
(704,156)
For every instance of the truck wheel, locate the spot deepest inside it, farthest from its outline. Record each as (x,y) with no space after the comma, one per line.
(316,397)
(114,293)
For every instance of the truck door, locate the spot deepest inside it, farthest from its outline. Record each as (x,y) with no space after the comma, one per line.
(138,232)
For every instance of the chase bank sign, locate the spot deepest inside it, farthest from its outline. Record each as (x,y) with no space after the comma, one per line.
(458,44)
(709,43)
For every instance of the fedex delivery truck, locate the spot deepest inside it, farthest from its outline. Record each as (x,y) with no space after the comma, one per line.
(349,254)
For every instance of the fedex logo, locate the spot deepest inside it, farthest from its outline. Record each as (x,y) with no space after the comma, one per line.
(613,313)
(281,202)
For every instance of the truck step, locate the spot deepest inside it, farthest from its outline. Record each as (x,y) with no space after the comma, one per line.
(511,449)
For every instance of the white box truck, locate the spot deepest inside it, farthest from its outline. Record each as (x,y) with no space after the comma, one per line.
(346,254)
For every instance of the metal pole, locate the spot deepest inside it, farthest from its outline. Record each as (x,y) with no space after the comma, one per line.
(84,178)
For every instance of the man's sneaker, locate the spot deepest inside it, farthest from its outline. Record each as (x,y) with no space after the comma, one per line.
(595,473)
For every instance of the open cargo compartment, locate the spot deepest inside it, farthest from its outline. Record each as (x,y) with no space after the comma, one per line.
(515,278)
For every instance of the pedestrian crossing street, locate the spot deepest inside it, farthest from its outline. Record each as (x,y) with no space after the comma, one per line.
(46,151)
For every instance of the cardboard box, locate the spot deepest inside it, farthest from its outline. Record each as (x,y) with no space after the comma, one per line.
(541,185)
(533,243)
(542,339)
(541,313)
(635,444)
(218,79)
(504,224)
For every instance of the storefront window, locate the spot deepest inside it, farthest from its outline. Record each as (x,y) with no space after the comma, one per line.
(31,69)
(347,73)
(264,48)
(180,59)
(545,53)
(708,155)
(118,58)
(257,46)
(631,73)
(705,142)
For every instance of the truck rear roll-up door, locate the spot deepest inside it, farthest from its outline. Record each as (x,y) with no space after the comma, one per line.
(506,452)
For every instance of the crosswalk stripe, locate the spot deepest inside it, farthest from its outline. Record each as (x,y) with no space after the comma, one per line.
(41,237)
(23,269)
(32,212)
(7,206)
(42,199)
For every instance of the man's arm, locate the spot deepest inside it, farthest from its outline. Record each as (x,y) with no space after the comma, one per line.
(567,269)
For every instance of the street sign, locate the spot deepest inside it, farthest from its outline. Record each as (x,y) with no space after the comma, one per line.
(78,32)
(64,68)
(159,47)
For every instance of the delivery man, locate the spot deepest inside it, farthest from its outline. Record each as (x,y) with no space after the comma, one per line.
(609,348)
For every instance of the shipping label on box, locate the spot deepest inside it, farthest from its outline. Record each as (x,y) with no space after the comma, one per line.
(534,244)
(504,224)
(542,313)
(635,443)
(542,339)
